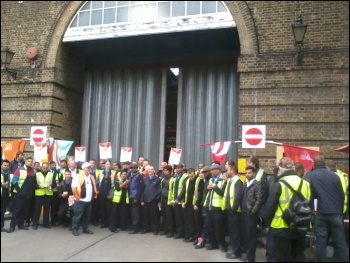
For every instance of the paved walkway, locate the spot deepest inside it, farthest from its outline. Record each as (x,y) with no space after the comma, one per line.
(59,245)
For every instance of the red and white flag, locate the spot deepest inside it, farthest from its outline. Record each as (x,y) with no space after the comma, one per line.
(219,151)
(105,150)
(299,154)
(80,154)
(175,156)
(40,152)
(125,154)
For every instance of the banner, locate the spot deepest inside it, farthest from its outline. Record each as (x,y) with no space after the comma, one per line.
(40,152)
(175,156)
(125,154)
(9,149)
(302,155)
(219,151)
(105,150)
(58,150)
(80,154)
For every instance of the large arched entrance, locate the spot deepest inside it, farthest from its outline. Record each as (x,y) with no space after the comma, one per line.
(132,98)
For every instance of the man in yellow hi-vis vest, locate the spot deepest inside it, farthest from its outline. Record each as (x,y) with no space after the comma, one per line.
(289,245)
(43,196)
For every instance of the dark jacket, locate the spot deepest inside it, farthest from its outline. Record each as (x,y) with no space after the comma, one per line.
(15,164)
(252,199)
(327,189)
(164,186)
(136,186)
(151,190)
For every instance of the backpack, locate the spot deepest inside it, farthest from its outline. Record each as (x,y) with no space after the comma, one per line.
(298,215)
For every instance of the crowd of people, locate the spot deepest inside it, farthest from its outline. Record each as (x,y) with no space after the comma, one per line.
(201,206)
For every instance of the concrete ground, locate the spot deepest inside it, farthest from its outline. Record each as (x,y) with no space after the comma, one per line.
(59,245)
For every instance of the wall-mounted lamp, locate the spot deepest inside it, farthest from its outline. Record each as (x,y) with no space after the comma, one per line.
(299,30)
(6,58)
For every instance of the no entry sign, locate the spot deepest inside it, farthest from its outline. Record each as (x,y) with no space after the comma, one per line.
(253,136)
(38,134)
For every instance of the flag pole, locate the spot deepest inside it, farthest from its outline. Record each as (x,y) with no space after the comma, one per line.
(212,143)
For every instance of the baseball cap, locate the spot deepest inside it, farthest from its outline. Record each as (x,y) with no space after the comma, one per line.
(85,165)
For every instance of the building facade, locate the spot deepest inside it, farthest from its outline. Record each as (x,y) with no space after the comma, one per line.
(304,105)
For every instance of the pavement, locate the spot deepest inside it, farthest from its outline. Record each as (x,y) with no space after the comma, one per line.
(59,245)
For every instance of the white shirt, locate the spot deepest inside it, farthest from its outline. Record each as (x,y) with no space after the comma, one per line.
(250,182)
(73,172)
(88,186)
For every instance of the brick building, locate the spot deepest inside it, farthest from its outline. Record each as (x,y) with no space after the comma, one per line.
(304,105)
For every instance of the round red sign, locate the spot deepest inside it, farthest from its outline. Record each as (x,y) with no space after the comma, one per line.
(38,136)
(253,136)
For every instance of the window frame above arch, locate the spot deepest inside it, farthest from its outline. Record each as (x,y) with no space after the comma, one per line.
(106,19)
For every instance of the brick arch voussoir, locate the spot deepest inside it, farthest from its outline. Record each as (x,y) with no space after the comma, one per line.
(246,27)
(66,16)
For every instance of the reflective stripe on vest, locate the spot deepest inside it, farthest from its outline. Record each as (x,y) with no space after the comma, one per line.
(43,181)
(181,185)
(171,192)
(286,197)
(196,193)
(232,194)
(259,175)
(344,185)
(22,177)
(215,199)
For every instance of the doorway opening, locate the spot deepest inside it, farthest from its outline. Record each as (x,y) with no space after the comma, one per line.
(171,111)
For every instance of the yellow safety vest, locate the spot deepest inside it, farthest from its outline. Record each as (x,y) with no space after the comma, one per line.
(44,181)
(180,186)
(259,175)
(231,193)
(286,197)
(344,184)
(196,193)
(171,188)
(22,177)
(216,200)
(117,195)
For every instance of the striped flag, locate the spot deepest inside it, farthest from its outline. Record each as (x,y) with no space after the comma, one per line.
(58,150)
(219,151)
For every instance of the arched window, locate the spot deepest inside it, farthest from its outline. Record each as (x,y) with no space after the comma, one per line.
(104,19)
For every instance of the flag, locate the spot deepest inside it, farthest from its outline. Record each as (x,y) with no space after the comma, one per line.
(9,149)
(105,150)
(299,154)
(58,150)
(175,155)
(80,154)
(125,154)
(40,152)
(219,151)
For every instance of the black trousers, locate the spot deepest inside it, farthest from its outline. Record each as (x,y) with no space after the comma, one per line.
(19,210)
(198,222)
(124,215)
(4,203)
(39,202)
(105,205)
(189,219)
(150,216)
(250,235)
(289,247)
(235,231)
(179,220)
(95,211)
(135,215)
(170,224)
(55,202)
(216,233)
